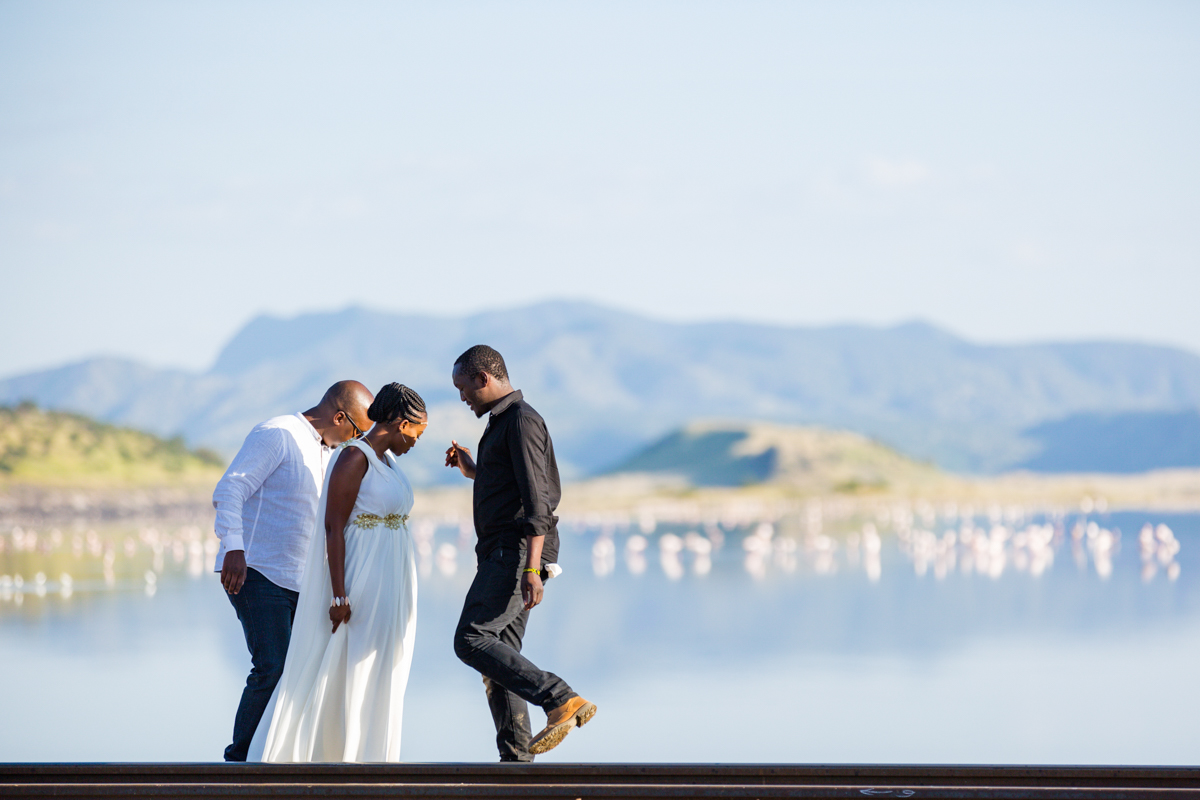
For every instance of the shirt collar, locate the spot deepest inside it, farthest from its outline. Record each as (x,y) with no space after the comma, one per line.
(304,420)
(506,402)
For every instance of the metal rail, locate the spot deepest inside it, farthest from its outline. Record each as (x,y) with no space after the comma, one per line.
(593,781)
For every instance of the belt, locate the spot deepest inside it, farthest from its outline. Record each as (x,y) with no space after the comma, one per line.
(393,521)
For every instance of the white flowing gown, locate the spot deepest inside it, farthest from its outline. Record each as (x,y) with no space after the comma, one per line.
(341,696)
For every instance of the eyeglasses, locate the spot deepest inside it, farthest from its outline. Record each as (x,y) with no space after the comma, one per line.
(358,432)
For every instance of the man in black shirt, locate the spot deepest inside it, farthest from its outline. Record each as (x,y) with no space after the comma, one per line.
(516,492)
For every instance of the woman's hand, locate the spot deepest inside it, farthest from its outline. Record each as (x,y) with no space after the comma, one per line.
(338,615)
(459,456)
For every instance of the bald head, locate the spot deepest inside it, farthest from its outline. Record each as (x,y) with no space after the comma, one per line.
(342,412)
(348,395)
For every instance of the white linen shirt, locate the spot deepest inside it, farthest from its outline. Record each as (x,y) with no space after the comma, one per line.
(267,500)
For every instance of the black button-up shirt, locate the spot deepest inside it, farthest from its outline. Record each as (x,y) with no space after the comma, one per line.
(516,480)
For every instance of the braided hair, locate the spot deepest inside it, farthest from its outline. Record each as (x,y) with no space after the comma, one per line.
(396,401)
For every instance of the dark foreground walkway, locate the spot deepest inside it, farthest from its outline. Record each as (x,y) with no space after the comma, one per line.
(591,781)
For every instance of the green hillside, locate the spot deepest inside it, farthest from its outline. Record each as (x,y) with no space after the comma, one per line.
(56,448)
(803,458)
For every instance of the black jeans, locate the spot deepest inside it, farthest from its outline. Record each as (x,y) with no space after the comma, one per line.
(266,612)
(488,639)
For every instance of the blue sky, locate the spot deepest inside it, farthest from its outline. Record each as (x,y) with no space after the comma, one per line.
(1011,171)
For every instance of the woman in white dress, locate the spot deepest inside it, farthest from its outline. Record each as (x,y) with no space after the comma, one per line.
(341,695)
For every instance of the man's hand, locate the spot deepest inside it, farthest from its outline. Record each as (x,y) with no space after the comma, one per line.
(459,456)
(531,589)
(233,571)
(338,615)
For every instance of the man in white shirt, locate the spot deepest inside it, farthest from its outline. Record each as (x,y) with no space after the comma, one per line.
(266,513)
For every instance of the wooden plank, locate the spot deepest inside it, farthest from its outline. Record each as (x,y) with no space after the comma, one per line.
(595,781)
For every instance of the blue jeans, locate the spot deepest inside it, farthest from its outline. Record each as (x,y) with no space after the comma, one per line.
(266,612)
(488,638)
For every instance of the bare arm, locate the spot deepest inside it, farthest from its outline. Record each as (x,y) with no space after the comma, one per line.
(531,582)
(344,483)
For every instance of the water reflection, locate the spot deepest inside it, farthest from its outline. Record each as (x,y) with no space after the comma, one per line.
(1000,541)
(604,555)
(921,618)
(63,563)
(635,553)
(819,538)
(1158,547)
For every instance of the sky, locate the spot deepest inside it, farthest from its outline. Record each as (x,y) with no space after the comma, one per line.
(1008,171)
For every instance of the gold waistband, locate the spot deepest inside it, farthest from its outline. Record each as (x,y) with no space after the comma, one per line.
(393,521)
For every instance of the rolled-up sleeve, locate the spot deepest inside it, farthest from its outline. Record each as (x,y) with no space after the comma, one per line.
(527,446)
(261,454)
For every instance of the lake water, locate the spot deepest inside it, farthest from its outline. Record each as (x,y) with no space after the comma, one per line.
(1062,640)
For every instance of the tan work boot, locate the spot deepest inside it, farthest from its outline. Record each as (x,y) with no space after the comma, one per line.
(559,722)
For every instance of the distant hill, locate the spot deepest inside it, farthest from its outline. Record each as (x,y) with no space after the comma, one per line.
(807,458)
(1130,442)
(609,382)
(57,448)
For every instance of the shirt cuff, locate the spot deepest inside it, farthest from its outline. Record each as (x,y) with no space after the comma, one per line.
(232,541)
(532,530)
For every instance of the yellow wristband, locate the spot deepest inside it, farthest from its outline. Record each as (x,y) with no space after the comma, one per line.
(531,569)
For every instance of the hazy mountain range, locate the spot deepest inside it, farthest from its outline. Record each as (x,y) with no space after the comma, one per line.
(610,383)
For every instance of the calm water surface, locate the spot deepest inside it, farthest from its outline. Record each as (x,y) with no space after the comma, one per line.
(1070,640)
